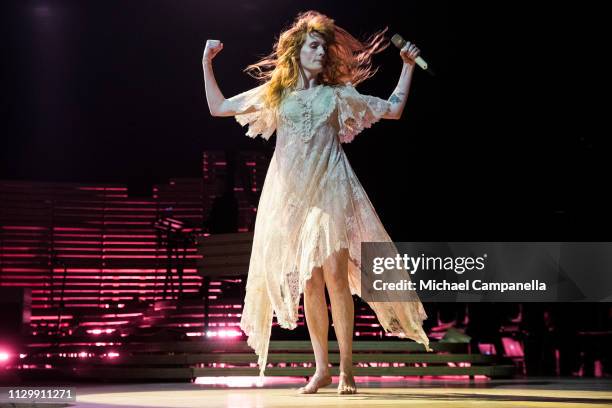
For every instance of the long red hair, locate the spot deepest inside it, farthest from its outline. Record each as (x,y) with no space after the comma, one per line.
(347,59)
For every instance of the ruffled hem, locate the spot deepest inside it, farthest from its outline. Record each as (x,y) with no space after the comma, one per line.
(260,345)
(262,121)
(357,112)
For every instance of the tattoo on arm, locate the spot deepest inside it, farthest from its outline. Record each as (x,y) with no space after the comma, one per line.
(396,97)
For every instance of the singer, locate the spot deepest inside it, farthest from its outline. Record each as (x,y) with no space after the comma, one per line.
(313,212)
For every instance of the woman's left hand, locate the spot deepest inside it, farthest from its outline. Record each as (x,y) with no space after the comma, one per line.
(409,53)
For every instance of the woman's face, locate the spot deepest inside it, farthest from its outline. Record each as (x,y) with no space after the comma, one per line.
(312,54)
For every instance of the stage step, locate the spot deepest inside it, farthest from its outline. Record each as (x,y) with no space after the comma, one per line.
(122,373)
(245,359)
(185,360)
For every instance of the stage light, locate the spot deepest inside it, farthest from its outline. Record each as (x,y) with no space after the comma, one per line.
(487,349)
(512,347)
(223,333)
(247,381)
(4,356)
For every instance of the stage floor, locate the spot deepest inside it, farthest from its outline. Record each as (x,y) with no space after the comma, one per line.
(535,392)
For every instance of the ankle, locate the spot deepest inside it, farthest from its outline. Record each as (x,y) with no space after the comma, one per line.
(346,369)
(322,372)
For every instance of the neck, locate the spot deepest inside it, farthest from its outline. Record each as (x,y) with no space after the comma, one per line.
(307,79)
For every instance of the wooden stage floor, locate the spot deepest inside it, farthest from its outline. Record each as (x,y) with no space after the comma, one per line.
(372,392)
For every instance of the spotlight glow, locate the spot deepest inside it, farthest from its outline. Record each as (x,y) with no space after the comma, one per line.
(223,333)
(237,382)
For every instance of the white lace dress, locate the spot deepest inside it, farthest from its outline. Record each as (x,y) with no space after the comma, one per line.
(311,205)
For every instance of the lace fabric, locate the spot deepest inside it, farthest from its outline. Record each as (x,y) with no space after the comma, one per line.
(311,206)
(357,112)
(262,121)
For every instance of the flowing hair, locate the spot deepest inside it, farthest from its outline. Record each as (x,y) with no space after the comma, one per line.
(347,59)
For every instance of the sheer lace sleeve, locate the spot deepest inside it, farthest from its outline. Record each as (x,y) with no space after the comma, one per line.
(357,112)
(262,121)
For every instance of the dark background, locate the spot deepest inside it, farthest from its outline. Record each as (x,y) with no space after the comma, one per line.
(501,145)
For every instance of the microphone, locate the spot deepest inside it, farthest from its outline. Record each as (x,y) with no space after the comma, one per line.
(399,42)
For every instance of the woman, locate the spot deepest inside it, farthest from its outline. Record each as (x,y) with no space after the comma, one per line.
(313,213)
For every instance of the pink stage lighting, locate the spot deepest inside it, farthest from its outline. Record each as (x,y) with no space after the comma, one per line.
(4,356)
(223,333)
(247,382)
(100,331)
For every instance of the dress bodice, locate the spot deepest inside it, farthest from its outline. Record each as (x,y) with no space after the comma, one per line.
(305,111)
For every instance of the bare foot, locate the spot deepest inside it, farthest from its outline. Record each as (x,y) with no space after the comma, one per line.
(346,383)
(316,381)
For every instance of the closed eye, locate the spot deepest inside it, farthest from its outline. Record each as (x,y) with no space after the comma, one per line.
(315,45)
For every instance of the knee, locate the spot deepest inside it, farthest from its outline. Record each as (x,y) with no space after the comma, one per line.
(336,271)
(336,278)
(315,284)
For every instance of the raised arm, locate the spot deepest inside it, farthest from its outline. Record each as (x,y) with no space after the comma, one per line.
(218,105)
(399,96)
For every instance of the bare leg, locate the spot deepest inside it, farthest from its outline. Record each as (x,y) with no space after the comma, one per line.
(335,272)
(315,309)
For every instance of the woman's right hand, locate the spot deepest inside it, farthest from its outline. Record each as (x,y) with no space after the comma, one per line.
(213,47)
(409,53)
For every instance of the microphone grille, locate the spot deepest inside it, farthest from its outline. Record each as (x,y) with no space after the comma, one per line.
(398,41)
